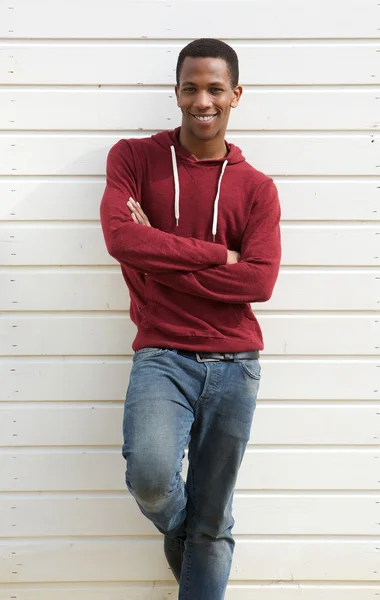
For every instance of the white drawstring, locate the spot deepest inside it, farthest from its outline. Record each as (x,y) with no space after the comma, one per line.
(176,185)
(216,203)
(176,193)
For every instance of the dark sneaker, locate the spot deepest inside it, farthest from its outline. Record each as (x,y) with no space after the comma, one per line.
(174,549)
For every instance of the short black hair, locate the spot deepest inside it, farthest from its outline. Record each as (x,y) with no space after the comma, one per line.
(210,48)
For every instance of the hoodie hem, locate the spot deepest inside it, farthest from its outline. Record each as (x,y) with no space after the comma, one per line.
(196,344)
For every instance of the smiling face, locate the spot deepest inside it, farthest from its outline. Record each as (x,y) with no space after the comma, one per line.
(205,96)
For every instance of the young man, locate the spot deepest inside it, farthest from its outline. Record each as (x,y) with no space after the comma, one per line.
(195,229)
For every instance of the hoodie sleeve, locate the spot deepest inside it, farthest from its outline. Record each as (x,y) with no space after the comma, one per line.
(254,277)
(145,248)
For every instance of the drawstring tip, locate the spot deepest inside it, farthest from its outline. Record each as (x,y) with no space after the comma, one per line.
(177,222)
(213,238)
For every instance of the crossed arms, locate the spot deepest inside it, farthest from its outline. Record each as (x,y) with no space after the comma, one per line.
(189,265)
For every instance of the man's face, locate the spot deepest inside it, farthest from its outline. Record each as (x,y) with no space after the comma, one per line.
(205,97)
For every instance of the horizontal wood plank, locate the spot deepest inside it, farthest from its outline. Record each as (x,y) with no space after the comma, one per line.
(278,424)
(163,591)
(319,334)
(77,244)
(118,560)
(269,469)
(259,514)
(85,379)
(103,288)
(78,335)
(260,19)
(68,199)
(259,109)
(275,154)
(270,63)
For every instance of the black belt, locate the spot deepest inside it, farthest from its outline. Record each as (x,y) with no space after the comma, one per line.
(216,356)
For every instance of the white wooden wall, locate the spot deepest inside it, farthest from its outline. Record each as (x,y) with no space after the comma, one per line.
(78,75)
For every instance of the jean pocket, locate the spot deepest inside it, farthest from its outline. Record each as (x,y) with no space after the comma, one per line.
(252,368)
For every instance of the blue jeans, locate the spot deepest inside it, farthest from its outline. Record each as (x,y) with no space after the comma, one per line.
(173,400)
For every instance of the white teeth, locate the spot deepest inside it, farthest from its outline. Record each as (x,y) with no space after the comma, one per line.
(204,118)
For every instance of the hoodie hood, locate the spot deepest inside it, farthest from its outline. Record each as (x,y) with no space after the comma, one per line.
(170,141)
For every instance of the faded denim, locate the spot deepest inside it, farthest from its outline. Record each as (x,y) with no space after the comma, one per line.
(173,400)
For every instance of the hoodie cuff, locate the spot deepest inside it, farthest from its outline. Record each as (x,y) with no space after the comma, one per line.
(221,254)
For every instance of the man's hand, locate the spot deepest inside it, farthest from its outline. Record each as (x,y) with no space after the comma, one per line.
(138,214)
(233,257)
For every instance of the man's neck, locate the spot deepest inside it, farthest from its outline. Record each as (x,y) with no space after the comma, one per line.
(203,150)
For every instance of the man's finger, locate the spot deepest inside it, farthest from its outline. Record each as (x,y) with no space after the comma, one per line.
(138,214)
(138,210)
(139,217)
(142,216)
(135,207)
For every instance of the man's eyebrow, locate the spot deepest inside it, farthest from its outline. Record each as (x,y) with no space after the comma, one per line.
(213,83)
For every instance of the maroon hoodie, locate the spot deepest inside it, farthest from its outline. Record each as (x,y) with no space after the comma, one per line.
(183,294)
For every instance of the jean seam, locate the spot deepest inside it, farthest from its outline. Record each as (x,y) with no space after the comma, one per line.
(190,532)
(203,394)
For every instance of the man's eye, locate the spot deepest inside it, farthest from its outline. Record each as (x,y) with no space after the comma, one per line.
(216,90)
(187,89)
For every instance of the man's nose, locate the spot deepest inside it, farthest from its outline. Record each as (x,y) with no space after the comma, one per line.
(203,100)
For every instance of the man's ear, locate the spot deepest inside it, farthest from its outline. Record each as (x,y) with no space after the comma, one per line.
(237,92)
(176,89)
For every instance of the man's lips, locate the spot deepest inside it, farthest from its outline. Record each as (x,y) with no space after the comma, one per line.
(204,118)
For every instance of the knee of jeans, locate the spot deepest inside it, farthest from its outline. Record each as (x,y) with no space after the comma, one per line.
(148,492)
